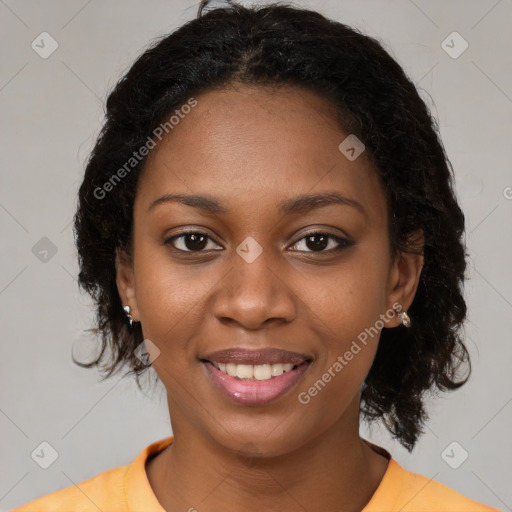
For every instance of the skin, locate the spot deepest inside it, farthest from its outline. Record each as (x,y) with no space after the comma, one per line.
(251,148)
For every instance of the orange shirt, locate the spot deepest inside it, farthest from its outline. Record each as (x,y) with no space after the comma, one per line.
(126,488)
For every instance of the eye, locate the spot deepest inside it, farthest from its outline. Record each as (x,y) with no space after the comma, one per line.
(193,241)
(319,240)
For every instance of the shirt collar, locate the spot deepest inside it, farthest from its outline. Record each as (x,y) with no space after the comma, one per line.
(140,496)
(138,492)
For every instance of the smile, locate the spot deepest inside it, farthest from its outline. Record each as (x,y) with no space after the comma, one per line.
(254,372)
(255,385)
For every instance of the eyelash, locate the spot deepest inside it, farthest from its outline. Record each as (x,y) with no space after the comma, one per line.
(343,242)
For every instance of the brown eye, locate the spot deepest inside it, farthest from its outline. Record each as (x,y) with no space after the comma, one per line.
(190,241)
(318,241)
(196,241)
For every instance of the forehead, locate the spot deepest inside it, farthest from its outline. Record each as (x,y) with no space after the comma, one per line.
(255,146)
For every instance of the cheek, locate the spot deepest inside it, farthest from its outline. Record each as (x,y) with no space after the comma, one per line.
(164,302)
(168,304)
(353,295)
(350,303)
(165,290)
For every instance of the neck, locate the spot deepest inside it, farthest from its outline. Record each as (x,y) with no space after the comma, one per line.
(337,470)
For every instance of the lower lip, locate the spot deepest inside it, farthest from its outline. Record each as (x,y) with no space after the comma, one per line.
(256,392)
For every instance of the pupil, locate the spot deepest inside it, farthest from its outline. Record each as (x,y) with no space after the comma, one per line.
(321,245)
(194,240)
(197,242)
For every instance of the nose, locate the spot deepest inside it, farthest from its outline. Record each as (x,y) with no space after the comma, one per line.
(252,294)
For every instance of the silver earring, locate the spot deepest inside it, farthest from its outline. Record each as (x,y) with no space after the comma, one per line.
(405,318)
(127,311)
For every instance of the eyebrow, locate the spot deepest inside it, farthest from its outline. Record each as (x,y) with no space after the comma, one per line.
(297,205)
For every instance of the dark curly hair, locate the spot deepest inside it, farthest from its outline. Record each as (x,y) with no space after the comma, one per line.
(374,99)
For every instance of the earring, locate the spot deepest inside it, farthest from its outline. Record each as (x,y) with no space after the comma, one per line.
(127,311)
(405,318)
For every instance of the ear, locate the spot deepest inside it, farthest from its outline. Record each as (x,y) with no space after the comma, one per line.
(126,283)
(404,277)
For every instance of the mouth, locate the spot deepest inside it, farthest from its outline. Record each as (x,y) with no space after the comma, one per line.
(255,377)
(251,372)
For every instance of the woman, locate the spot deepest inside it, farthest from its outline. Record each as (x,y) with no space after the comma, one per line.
(268,220)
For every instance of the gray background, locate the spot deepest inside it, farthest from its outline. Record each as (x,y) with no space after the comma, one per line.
(51,113)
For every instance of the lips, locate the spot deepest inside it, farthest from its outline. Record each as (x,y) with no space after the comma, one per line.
(256,357)
(264,389)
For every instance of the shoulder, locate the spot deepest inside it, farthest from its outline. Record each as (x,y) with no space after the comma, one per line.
(414,492)
(120,488)
(100,492)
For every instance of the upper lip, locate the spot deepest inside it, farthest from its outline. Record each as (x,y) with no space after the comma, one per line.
(254,357)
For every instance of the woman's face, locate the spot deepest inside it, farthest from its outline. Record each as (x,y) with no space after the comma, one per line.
(252,276)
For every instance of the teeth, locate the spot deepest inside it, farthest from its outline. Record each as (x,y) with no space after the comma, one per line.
(262,372)
(254,372)
(244,371)
(231,369)
(276,369)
